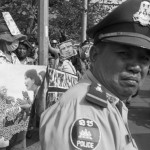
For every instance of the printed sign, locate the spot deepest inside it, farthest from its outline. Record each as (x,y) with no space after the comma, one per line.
(10,23)
(17,92)
(66,49)
(58,83)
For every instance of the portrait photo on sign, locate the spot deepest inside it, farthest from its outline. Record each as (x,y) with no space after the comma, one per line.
(66,49)
(18,86)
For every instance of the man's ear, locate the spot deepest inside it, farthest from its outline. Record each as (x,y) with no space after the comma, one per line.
(93,53)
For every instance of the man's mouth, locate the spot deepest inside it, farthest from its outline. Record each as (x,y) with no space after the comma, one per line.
(131,81)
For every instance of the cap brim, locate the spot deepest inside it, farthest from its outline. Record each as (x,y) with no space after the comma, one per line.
(10,38)
(136,41)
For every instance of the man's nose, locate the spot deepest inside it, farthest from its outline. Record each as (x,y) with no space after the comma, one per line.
(134,66)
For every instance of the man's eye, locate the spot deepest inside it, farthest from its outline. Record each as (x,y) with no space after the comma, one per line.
(124,54)
(145,59)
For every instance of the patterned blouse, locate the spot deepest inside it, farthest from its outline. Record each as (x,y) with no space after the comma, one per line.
(5,60)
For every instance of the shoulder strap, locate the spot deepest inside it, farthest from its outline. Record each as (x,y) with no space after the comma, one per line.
(97,95)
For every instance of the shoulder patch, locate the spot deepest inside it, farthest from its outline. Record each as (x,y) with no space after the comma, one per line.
(85,134)
(97,95)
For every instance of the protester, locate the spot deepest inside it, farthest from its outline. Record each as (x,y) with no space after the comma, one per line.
(53,53)
(54,43)
(84,55)
(62,36)
(52,60)
(92,114)
(34,50)
(76,62)
(22,53)
(67,55)
(8,44)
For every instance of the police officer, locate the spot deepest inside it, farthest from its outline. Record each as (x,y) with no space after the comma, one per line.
(92,115)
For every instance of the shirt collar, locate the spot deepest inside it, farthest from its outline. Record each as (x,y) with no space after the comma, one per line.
(110,97)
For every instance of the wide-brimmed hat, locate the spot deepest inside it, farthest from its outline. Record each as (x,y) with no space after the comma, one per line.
(128,24)
(5,33)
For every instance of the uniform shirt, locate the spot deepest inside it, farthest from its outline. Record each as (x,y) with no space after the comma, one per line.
(5,60)
(87,117)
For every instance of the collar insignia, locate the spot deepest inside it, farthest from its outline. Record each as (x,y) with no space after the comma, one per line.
(98,88)
(143,15)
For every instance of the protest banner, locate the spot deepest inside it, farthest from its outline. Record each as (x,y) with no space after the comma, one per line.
(58,83)
(66,49)
(16,92)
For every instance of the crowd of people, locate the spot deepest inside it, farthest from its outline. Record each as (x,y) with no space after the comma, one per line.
(76,64)
(91,114)
(16,49)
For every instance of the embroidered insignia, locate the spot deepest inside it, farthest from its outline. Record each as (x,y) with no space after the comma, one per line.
(143,15)
(97,95)
(96,100)
(98,88)
(85,134)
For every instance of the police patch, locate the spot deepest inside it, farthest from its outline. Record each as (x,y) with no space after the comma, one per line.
(85,134)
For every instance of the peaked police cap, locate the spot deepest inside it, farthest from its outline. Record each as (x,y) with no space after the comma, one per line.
(128,24)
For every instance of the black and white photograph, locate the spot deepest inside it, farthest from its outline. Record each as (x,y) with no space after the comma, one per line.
(74,74)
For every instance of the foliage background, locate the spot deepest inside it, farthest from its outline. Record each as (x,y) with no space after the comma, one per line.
(64,16)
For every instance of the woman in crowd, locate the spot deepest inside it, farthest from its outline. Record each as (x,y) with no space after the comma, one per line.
(22,53)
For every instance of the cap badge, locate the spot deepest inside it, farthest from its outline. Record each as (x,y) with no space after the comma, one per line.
(85,134)
(143,15)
